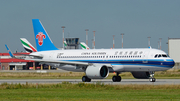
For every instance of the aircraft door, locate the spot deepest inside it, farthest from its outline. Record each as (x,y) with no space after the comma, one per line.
(145,57)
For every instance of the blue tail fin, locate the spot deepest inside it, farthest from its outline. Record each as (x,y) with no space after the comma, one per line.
(10,53)
(43,41)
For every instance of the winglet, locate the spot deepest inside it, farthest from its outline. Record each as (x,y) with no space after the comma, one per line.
(10,53)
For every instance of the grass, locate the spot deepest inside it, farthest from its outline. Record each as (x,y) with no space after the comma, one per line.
(88,92)
(78,75)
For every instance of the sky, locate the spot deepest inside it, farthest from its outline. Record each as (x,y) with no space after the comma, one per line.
(137,19)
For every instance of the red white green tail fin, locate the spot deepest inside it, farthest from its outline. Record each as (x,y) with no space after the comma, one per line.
(27,46)
(83,45)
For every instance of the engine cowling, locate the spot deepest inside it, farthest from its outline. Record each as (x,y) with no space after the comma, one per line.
(97,71)
(141,75)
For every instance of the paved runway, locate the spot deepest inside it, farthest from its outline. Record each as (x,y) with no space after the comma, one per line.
(105,81)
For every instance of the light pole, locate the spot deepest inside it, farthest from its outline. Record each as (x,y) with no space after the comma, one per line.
(87,36)
(113,41)
(160,42)
(122,39)
(63,35)
(94,39)
(149,41)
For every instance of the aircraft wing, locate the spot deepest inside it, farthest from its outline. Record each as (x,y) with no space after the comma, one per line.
(67,62)
(61,62)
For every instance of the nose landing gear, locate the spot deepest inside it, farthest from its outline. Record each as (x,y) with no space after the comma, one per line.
(151,78)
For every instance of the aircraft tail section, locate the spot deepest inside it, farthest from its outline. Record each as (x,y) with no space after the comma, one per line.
(27,45)
(65,44)
(43,41)
(9,51)
(83,45)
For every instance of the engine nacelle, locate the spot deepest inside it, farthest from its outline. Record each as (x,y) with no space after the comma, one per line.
(141,75)
(97,71)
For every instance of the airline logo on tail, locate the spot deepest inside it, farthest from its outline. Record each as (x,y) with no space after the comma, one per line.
(40,36)
(27,45)
(43,41)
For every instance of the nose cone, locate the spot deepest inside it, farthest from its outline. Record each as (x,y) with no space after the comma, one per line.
(170,63)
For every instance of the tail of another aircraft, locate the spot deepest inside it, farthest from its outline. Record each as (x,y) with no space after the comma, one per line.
(43,41)
(27,45)
(65,44)
(83,45)
(9,51)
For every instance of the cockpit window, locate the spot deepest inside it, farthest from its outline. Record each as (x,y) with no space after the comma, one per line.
(164,55)
(155,56)
(159,55)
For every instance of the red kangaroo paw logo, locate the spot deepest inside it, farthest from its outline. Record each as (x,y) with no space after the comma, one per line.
(40,36)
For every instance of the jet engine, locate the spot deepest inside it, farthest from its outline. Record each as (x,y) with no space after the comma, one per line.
(141,75)
(97,71)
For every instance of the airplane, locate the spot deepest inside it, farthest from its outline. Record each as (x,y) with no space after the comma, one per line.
(27,45)
(98,63)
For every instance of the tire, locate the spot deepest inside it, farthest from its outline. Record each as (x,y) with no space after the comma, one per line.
(118,79)
(84,78)
(114,78)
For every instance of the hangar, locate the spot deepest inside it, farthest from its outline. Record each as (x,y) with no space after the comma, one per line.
(8,63)
(174,51)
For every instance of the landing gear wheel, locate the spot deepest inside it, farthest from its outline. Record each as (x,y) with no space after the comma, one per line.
(116,78)
(86,79)
(152,80)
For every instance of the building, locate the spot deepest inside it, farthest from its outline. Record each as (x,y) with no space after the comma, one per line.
(72,43)
(8,63)
(174,51)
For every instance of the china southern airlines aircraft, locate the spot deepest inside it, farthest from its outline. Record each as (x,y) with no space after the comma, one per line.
(98,63)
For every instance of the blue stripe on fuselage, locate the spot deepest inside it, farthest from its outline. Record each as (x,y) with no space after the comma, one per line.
(147,62)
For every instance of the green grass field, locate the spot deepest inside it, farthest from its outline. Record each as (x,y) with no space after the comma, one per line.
(88,92)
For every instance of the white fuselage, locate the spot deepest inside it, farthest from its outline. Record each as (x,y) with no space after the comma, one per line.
(121,60)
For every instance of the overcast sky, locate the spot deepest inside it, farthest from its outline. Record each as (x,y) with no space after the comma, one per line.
(137,19)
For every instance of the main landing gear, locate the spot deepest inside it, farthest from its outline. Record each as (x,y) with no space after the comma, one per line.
(151,78)
(86,79)
(116,78)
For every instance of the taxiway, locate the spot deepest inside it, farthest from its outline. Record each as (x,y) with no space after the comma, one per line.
(105,81)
